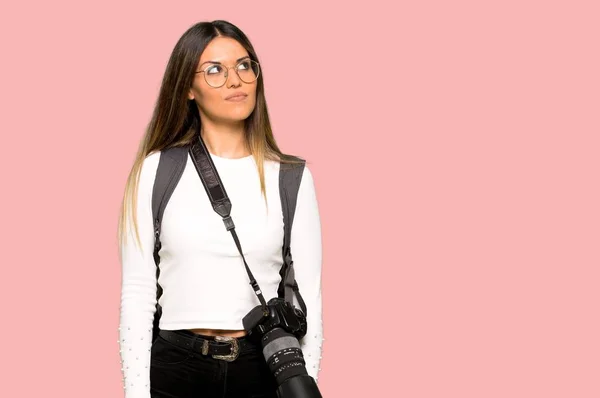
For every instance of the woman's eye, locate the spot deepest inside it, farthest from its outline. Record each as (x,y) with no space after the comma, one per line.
(244,65)
(211,70)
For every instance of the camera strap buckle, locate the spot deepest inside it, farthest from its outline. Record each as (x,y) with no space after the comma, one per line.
(235,348)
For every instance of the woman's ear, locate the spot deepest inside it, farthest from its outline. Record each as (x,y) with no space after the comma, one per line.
(191,94)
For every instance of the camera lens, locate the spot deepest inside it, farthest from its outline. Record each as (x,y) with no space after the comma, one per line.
(283,354)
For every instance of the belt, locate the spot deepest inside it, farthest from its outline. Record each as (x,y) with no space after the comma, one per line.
(222,347)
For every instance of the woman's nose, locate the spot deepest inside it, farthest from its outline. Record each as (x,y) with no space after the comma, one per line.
(232,78)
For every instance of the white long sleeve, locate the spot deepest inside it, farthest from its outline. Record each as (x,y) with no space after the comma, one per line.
(138,292)
(201,272)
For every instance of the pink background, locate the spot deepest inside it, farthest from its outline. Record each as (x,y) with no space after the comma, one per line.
(454,147)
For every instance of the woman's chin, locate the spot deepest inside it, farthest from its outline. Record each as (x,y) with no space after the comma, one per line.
(238,115)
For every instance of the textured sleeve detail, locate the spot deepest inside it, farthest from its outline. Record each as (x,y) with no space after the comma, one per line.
(138,290)
(306,248)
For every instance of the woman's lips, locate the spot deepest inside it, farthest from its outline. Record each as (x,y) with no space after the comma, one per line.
(236,97)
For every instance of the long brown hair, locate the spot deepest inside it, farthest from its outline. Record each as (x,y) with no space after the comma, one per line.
(175,119)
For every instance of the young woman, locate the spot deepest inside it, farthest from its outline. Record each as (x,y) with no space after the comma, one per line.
(213,85)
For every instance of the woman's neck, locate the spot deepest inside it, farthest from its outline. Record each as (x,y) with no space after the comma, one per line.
(226,141)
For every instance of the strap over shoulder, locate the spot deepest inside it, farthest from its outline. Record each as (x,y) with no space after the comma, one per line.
(290,177)
(170,169)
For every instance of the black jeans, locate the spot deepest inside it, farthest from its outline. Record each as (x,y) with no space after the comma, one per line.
(177,372)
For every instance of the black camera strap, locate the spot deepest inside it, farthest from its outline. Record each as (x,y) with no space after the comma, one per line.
(220,201)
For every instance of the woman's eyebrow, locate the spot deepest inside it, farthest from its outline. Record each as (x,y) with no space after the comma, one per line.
(217,62)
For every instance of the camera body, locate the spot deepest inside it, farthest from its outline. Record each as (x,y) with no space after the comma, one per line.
(281,314)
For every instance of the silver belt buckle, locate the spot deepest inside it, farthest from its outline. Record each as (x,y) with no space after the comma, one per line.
(235,348)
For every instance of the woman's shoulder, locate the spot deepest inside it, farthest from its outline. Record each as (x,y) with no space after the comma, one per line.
(151,160)
(153,156)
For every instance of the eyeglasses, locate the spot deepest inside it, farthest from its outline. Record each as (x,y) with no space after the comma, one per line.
(216,74)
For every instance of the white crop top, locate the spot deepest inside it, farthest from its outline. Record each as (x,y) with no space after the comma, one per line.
(204,281)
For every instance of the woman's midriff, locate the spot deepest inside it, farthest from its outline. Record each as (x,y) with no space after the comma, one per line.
(220,332)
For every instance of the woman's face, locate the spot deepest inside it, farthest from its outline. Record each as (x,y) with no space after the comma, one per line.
(214,102)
